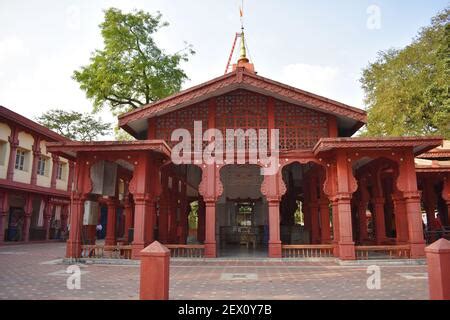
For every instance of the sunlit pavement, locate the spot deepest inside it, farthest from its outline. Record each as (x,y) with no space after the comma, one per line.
(35,271)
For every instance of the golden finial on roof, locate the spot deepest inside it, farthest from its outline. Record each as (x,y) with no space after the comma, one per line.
(243,54)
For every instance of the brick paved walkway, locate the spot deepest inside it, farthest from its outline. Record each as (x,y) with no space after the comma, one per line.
(31,272)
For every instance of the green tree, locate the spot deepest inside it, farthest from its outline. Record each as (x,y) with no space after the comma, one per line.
(406,90)
(131,70)
(122,135)
(74,125)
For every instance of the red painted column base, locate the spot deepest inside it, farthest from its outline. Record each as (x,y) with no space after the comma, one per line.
(346,251)
(210,250)
(73,249)
(136,249)
(417,250)
(275,249)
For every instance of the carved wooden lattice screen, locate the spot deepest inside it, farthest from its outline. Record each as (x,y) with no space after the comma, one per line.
(242,110)
(182,119)
(300,128)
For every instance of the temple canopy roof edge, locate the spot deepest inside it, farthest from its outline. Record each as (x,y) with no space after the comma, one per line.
(135,122)
(71,149)
(418,144)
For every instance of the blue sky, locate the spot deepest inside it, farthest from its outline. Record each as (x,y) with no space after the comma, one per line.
(320,46)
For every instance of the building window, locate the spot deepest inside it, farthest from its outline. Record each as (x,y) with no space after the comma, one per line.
(3,148)
(60,171)
(42,164)
(20,160)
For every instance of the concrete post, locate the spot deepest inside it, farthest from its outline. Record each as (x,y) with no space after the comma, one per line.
(154,281)
(438,259)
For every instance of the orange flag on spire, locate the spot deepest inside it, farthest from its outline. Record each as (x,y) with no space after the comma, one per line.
(241,12)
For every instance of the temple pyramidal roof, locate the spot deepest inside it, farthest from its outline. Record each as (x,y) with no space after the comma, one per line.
(243,76)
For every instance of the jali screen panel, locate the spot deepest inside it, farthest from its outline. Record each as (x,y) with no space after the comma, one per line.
(299,128)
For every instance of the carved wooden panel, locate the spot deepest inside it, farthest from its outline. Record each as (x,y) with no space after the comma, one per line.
(183,118)
(244,110)
(300,128)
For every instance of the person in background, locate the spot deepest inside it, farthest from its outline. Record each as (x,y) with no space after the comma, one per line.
(438,226)
(99,229)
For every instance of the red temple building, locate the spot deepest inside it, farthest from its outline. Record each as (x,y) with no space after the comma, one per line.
(35,184)
(332,195)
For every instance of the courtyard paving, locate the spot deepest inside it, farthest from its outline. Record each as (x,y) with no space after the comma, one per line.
(35,271)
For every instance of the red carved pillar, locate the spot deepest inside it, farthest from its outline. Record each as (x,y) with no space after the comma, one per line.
(335,227)
(146,188)
(210,229)
(201,221)
(70,178)
(13,140)
(274,229)
(415,229)
(110,239)
(36,155)
(380,225)
(210,188)
(401,220)
(55,161)
(128,217)
(82,187)
(28,210)
(47,218)
(4,210)
(346,244)
(346,185)
(75,225)
(325,232)
(273,188)
(163,219)
(144,219)
(407,182)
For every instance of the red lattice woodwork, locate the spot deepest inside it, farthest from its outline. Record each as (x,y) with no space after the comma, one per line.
(242,110)
(300,128)
(183,118)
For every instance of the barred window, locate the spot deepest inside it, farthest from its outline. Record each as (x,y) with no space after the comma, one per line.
(60,171)
(20,160)
(42,163)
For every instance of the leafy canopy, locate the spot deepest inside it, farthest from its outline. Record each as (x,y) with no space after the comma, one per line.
(74,125)
(131,70)
(406,90)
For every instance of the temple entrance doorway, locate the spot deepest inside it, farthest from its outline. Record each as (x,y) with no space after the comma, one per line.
(242,213)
